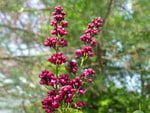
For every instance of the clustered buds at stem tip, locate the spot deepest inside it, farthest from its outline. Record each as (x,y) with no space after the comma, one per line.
(93,29)
(65,87)
(57,58)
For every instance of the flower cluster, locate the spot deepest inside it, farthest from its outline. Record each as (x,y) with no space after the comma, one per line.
(59,29)
(64,79)
(64,87)
(72,66)
(50,103)
(87,74)
(58,23)
(63,42)
(93,29)
(66,93)
(57,58)
(85,51)
(47,78)
(68,89)
(87,38)
(53,41)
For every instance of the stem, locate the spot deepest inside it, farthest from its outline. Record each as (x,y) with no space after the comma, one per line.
(57,70)
(57,66)
(57,74)
(83,60)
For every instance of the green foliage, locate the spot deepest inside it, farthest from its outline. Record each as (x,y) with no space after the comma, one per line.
(69,110)
(138,111)
(115,100)
(36,108)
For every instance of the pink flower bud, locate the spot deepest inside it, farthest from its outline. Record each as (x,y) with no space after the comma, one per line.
(64,23)
(57,58)
(51,42)
(55,105)
(80,103)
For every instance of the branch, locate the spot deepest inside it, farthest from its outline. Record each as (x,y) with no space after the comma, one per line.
(33,10)
(108,11)
(127,69)
(24,59)
(99,51)
(20,29)
(16,28)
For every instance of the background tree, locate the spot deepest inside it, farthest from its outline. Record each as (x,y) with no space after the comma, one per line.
(122,55)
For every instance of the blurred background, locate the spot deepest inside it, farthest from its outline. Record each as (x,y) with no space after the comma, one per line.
(122,55)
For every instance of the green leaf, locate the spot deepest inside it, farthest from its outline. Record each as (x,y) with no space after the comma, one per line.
(68,110)
(138,111)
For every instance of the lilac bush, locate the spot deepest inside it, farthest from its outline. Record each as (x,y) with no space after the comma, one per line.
(66,88)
